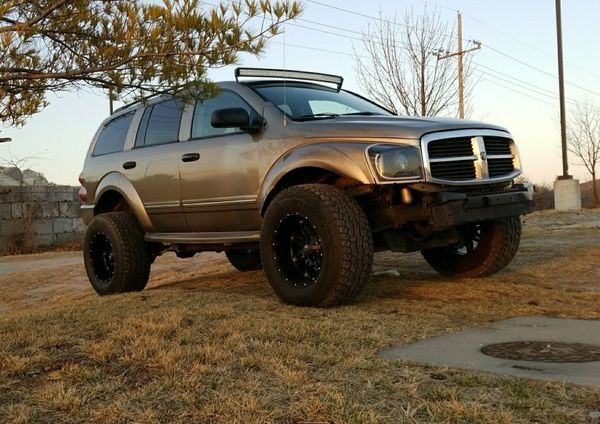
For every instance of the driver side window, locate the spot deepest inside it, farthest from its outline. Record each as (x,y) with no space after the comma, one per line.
(201,127)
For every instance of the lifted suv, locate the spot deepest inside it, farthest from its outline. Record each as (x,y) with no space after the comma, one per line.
(288,172)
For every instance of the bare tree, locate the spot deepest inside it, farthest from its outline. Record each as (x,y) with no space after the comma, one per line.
(401,69)
(583,140)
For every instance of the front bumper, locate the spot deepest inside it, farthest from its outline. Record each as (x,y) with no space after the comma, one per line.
(451,209)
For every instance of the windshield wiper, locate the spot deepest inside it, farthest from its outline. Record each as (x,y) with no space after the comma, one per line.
(315,116)
(362,113)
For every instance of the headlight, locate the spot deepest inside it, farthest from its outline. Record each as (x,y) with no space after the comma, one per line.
(396,162)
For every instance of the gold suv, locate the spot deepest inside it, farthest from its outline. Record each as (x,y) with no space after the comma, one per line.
(286,171)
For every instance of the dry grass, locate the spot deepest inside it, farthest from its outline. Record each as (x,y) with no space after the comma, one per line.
(207,344)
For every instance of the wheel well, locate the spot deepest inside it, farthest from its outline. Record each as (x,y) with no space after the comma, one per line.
(111,201)
(308,175)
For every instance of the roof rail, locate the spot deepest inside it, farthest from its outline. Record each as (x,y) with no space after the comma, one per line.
(168,91)
(288,74)
(140,100)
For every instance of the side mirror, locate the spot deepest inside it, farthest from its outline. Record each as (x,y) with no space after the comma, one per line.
(236,117)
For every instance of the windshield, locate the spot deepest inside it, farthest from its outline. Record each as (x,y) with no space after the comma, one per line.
(304,101)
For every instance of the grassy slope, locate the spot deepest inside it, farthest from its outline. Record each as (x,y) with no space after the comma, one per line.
(213,345)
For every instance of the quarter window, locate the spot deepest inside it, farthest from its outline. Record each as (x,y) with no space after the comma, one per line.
(201,126)
(112,136)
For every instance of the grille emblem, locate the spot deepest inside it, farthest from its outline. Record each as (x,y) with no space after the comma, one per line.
(483,155)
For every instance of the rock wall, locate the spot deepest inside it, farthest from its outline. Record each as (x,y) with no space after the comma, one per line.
(38,216)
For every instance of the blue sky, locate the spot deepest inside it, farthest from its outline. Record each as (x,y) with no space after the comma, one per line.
(516,67)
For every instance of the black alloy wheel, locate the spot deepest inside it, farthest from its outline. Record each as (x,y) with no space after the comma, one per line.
(102,257)
(298,250)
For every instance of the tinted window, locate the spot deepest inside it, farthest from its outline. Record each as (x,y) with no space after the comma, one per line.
(141,133)
(113,135)
(201,126)
(300,100)
(163,123)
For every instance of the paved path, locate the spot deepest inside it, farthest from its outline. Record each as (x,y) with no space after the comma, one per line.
(11,264)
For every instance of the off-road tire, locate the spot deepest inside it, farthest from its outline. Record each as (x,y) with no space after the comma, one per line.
(244,259)
(499,241)
(131,259)
(345,241)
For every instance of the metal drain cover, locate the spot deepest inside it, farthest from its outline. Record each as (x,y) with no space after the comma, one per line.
(541,351)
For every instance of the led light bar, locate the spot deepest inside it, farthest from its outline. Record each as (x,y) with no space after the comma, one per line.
(285,74)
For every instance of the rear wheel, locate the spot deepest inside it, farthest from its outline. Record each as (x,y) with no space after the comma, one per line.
(485,249)
(316,246)
(244,259)
(115,254)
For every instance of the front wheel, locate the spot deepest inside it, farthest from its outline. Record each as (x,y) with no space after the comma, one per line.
(316,246)
(115,254)
(485,249)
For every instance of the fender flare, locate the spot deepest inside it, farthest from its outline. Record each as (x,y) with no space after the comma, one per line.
(115,181)
(348,162)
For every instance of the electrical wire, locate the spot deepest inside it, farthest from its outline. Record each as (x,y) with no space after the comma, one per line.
(493,49)
(507,35)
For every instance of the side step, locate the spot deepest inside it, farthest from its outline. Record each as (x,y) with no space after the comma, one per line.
(204,238)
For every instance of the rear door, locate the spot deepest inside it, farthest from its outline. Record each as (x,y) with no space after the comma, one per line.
(219,171)
(152,165)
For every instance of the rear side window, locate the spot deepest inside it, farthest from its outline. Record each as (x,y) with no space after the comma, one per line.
(113,134)
(201,126)
(160,124)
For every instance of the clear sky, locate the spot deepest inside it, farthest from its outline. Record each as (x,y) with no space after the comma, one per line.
(516,69)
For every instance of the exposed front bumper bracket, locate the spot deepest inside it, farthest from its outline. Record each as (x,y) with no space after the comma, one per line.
(453,209)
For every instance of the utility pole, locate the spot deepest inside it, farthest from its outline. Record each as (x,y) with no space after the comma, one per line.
(561,90)
(459,54)
(567,191)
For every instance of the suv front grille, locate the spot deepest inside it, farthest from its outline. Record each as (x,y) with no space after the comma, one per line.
(450,147)
(472,157)
(456,170)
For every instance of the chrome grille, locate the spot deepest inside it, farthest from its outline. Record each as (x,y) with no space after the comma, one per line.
(454,170)
(470,156)
(497,145)
(500,167)
(450,147)
(499,156)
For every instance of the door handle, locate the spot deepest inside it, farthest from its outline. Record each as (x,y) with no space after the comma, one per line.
(129,165)
(190,157)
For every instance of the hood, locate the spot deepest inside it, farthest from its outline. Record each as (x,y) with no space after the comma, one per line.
(385,126)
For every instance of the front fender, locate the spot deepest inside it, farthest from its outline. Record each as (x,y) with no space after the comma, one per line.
(347,160)
(115,181)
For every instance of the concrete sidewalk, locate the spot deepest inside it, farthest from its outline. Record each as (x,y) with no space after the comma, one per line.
(463,349)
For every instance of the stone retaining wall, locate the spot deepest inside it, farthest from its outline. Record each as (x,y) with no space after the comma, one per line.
(38,216)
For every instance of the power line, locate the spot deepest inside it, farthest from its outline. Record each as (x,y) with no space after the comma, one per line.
(519,92)
(540,70)
(527,86)
(380,19)
(507,35)
(317,49)
(517,60)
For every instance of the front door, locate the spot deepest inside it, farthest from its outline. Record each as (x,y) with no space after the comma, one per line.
(219,172)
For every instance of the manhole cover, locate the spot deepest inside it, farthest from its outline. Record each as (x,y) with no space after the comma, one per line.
(543,351)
